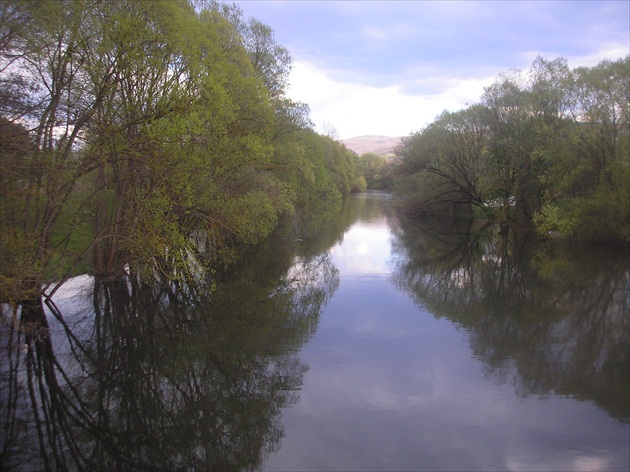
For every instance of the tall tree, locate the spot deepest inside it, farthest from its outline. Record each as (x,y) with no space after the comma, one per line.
(48,56)
(529,130)
(592,199)
(449,159)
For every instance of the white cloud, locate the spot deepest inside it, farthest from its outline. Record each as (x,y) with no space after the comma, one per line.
(608,51)
(356,109)
(561,460)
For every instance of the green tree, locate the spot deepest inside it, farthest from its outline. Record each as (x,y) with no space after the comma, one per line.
(46,54)
(547,150)
(156,135)
(529,132)
(314,196)
(339,163)
(271,61)
(512,147)
(447,161)
(360,184)
(591,195)
(370,167)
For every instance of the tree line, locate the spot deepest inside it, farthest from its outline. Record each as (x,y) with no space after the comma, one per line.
(149,137)
(157,137)
(545,150)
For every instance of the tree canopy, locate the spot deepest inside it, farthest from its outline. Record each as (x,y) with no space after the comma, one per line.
(154,137)
(547,149)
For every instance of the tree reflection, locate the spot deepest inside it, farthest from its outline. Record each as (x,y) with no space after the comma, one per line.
(361,207)
(164,376)
(549,318)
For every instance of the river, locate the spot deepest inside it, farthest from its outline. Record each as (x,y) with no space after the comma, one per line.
(384,343)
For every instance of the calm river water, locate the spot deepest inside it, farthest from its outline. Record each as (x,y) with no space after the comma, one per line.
(385,343)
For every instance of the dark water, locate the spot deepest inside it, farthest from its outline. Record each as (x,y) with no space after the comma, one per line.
(383,344)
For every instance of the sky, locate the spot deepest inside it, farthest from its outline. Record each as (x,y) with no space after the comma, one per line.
(390,67)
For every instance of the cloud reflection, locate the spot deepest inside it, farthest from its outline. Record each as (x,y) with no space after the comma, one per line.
(392,386)
(365,250)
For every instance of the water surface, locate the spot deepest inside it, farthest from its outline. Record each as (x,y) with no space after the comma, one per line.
(384,343)
(442,350)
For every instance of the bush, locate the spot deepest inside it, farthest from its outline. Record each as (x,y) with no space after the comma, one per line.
(359,184)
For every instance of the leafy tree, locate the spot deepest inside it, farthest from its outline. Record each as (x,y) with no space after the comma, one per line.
(591,197)
(155,136)
(143,47)
(271,61)
(370,166)
(315,198)
(513,147)
(47,57)
(449,159)
(339,163)
(359,184)
(547,149)
(599,106)
(16,88)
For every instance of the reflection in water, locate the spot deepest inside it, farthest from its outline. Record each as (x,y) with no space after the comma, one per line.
(484,353)
(549,318)
(450,349)
(163,376)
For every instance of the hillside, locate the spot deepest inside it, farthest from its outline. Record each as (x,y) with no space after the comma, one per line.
(377,144)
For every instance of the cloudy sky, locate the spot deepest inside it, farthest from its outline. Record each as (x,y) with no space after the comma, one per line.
(389,67)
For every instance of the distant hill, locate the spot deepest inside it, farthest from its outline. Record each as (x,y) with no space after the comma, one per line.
(382,145)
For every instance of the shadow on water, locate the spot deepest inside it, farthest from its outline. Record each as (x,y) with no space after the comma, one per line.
(163,376)
(546,317)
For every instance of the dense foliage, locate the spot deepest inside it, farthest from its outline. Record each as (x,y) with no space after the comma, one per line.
(547,149)
(375,170)
(152,137)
